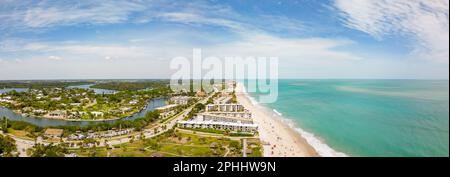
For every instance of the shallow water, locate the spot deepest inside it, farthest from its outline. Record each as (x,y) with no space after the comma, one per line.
(370,117)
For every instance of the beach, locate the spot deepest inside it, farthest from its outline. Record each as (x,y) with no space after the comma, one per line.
(278,138)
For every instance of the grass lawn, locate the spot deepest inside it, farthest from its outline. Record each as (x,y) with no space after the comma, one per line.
(20,134)
(172,144)
(255,146)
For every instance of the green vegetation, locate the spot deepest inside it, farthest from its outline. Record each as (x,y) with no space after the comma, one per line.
(211,99)
(239,134)
(207,130)
(196,109)
(30,130)
(138,124)
(233,98)
(41,84)
(132,86)
(222,132)
(254,145)
(51,150)
(7,146)
(76,103)
(172,144)
(190,87)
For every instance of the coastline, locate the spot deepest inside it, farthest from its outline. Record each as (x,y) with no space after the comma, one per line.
(278,138)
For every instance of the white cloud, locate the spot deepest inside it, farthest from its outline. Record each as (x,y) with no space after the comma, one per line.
(191,18)
(427,21)
(152,59)
(47,14)
(146,55)
(28,15)
(265,45)
(54,58)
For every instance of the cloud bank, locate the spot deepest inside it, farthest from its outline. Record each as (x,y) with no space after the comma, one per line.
(427,21)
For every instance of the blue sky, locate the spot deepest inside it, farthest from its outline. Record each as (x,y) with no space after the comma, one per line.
(137,39)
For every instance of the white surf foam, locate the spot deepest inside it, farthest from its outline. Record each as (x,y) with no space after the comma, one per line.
(276,112)
(321,148)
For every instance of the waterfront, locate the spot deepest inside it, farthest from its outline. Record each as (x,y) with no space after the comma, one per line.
(367,117)
(5,112)
(96,90)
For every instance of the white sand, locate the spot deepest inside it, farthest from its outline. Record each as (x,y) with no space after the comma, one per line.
(279,140)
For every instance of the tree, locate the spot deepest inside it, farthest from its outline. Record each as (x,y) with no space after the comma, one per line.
(41,150)
(235,144)
(199,106)
(7,146)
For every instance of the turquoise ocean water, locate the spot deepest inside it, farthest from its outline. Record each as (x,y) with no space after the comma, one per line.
(369,117)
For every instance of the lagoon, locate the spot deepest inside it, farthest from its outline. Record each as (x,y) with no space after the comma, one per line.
(44,122)
(96,90)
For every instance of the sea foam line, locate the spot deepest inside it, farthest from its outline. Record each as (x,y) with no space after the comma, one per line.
(278,113)
(319,146)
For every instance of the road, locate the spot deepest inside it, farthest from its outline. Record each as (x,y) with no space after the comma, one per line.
(244,147)
(23,144)
(149,133)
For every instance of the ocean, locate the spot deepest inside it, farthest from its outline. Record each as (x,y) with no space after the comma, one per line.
(367,117)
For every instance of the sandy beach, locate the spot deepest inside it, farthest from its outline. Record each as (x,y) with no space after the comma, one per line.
(279,140)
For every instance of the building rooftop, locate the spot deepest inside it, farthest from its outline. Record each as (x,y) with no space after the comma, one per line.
(217,123)
(54,132)
(167,107)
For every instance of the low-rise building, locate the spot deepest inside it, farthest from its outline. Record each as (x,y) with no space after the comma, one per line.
(125,109)
(56,99)
(75,104)
(39,111)
(182,100)
(97,114)
(53,133)
(167,108)
(6,100)
(57,114)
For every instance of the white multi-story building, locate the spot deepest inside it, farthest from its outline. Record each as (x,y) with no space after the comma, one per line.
(221,118)
(219,125)
(224,107)
(243,114)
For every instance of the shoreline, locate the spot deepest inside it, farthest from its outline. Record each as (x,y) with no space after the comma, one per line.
(278,138)
(83,120)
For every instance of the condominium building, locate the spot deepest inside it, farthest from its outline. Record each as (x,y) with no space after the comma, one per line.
(243,114)
(224,107)
(220,118)
(219,125)
(182,100)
